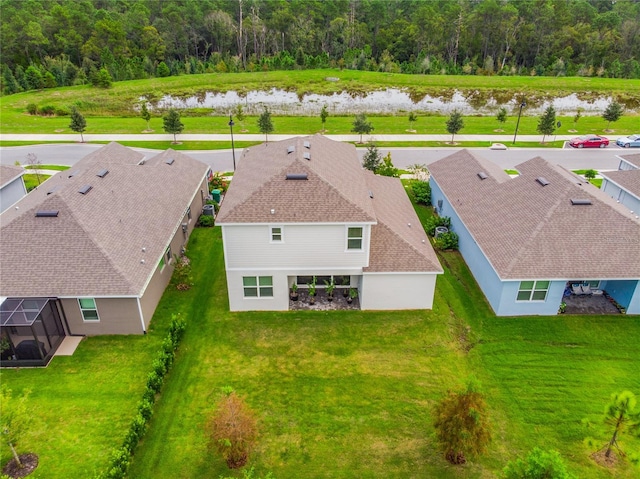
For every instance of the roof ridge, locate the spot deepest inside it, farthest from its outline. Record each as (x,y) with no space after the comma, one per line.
(100,248)
(334,188)
(537,229)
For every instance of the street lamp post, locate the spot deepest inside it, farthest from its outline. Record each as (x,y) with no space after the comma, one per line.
(233,149)
(522,105)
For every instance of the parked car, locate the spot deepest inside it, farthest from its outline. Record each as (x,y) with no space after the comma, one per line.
(589,141)
(629,141)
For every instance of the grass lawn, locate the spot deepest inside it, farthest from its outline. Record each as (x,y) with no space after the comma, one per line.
(112,110)
(339,394)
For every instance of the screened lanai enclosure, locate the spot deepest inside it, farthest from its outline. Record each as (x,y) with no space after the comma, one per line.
(30,331)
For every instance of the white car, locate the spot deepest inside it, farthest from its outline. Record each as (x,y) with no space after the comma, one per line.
(629,141)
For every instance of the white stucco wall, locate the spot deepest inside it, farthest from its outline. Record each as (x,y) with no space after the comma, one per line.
(321,247)
(397,291)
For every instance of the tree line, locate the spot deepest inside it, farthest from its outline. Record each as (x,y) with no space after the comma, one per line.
(67,42)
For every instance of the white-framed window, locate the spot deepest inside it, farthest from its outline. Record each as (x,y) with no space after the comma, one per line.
(276,234)
(354,237)
(88,309)
(257,286)
(166,258)
(533,290)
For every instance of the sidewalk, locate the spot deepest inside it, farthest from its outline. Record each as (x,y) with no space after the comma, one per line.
(497,138)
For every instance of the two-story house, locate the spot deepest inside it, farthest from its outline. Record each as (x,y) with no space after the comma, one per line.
(305,207)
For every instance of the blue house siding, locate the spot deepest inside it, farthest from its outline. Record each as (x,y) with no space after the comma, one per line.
(619,194)
(509,306)
(625,292)
(501,295)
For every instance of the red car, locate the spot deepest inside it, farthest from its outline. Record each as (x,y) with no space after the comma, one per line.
(589,141)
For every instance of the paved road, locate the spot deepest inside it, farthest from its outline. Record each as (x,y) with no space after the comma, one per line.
(221,160)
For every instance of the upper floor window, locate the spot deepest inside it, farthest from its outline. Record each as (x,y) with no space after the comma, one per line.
(276,234)
(354,238)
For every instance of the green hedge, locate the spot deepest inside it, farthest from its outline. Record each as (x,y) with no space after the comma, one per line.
(121,457)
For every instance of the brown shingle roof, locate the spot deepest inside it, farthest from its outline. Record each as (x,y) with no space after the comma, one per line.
(9,173)
(527,230)
(396,246)
(627,179)
(335,190)
(94,246)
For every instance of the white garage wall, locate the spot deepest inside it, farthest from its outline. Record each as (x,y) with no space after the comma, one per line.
(397,291)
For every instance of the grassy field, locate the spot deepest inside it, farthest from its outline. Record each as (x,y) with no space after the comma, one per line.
(112,110)
(339,394)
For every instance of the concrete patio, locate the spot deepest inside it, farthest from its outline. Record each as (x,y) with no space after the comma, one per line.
(322,302)
(589,304)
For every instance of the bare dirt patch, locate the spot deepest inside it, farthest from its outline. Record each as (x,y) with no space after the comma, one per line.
(29,464)
(609,462)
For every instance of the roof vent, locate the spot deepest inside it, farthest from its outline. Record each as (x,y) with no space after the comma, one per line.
(542,180)
(291,149)
(170,161)
(47,213)
(482,175)
(307,155)
(54,189)
(73,173)
(577,201)
(307,145)
(370,194)
(102,173)
(85,189)
(296,176)
(142,161)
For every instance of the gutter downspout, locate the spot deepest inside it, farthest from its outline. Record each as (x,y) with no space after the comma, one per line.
(144,331)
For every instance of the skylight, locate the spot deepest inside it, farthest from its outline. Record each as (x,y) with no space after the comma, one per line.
(47,213)
(296,176)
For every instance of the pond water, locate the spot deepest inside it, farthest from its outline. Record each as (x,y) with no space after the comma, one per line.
(387,101)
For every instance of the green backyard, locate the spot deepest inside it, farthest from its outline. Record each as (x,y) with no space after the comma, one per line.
(338,394)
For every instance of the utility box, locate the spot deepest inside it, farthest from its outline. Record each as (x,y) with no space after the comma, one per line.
(216,195)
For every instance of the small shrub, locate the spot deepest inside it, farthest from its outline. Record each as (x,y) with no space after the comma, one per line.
(421,192)
(538,464)
(234,430)
(48,110)
(145,409)
(218,182)
(154,382)
(61,111)
(159,367)
(32,109)
(447,241)
(435,221)
(206,221)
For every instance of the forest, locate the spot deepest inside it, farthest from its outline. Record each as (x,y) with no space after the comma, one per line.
(49,43)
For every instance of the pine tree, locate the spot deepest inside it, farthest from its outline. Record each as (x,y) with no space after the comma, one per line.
(9,81)
(78,123)
(547,123)
(621,413)
(502,115)
(372,158)
(361,125)
(265,125)
(14,419)
(324,114)
(612,113)
(172,123)
(412,119)
(455,123)
(144,113)
(461,424)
